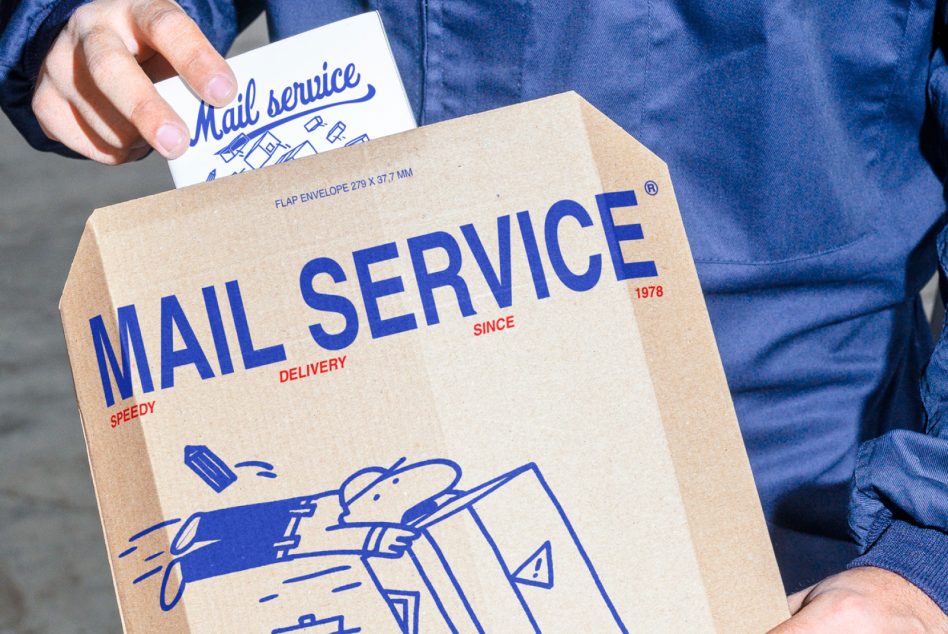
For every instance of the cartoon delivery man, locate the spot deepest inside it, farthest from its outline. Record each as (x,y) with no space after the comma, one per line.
(370,515)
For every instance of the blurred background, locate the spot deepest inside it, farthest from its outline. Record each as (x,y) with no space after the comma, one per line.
(54,573)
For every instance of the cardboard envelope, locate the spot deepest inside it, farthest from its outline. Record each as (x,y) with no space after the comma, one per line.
(459,379)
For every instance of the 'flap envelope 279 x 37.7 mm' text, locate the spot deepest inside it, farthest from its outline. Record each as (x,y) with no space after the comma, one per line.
(458,379)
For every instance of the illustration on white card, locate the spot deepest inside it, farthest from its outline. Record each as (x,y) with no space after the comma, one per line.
(334,86)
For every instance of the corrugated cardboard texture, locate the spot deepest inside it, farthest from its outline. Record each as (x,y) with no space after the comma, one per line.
(616,492)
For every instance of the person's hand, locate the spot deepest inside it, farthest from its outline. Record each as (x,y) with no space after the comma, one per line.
(865,600)
(95,95)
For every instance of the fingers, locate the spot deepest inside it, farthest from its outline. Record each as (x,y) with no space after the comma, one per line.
(794,626)
(401,544)
(95,93)
(121,81)
(796,600)
(71,110)
(62,122)
(99,113)
(804,621)
(176,38)
(396,541)
(398,550)
(799,622)
(157,68)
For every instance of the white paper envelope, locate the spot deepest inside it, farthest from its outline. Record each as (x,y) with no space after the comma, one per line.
(330,87)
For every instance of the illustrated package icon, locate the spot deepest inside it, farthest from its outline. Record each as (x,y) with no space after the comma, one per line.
(303,149)
(315,122)
(335,132)
(263,150)
(209,467)
(503,557)
(362,138)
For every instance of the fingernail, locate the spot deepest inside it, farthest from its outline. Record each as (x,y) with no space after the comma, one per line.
(171,140)
(220,89)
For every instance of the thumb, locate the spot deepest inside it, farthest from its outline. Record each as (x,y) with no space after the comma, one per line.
(797,600)
(805,620)
(798,622)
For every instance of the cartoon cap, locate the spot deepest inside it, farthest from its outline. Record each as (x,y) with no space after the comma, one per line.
(361,481)
(376,494)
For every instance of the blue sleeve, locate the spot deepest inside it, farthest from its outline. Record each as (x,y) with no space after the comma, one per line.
(899,506)
(29,27)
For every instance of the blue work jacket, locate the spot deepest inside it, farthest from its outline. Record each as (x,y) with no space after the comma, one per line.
(806,144)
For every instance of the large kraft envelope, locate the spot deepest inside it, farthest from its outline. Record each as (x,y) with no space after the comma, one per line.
(561,430)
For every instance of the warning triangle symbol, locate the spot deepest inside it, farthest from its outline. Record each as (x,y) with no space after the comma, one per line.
(404,605)
(537,570)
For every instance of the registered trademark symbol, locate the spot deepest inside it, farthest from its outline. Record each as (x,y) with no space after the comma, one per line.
(651,188)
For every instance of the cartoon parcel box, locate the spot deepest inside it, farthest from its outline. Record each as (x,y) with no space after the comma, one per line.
(501,557)
(282,374)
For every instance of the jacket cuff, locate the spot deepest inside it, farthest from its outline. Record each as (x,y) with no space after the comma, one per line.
(919,555)
(20,68)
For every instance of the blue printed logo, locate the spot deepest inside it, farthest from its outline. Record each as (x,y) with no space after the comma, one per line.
(249,146)
(362,314)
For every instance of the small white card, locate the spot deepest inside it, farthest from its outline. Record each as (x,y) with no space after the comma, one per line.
(330,87)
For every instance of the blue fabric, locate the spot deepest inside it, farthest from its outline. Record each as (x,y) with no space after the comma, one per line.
(806,143)
(913,553)
(28,32)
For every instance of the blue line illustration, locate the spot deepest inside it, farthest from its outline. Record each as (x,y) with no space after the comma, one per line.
(335,132)
(581,550)
(209,467)
(405,605)
(266,469)
(317,574)
(263,150)
(261,147)
(150,573)
(369,93)
(309,622)
(362,138)
(402,536)
(500,558)
(314,123)
(537,570)
(236,147)
(153,528)
(431,592)
(457,586)
(303,149)
(259,464)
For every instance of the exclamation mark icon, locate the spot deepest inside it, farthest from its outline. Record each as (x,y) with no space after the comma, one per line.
(537,569)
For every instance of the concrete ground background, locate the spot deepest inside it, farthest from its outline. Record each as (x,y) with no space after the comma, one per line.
(54,574)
